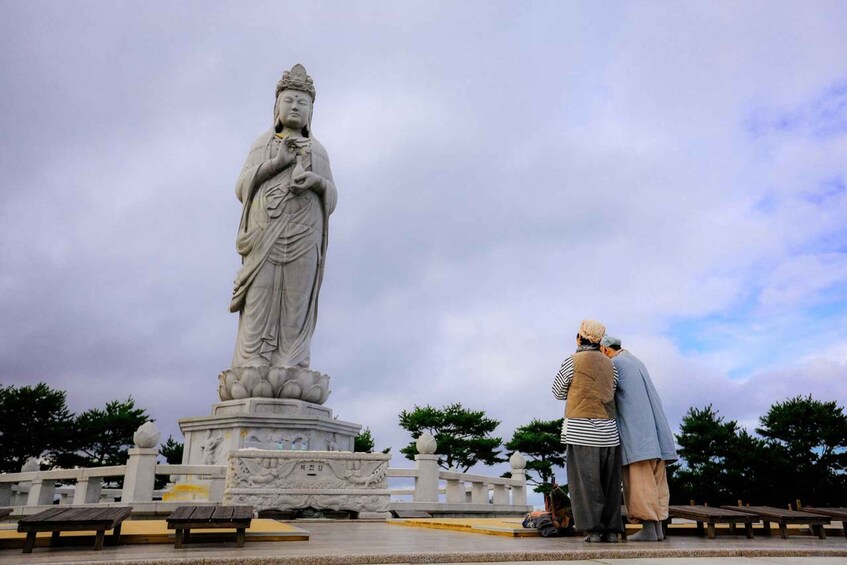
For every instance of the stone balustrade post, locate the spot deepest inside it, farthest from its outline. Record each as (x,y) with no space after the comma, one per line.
(479,493)
(216,490)
(88,490)
(41,492)
(22,495)
(518,464)
(140,475)
(141,467)
(455,491)
(426,480)
(5,494)
(501,494)
(519,491)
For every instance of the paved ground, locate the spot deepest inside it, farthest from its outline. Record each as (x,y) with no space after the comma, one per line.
(354,542)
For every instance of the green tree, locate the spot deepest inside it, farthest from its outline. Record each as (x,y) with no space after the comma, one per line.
(811,437)
(721,461)
(34,422)
(540,441)
(171,450)
(463,436)
(103,437)
(364,442)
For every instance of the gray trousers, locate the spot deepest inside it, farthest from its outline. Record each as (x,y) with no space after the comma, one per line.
(594,485)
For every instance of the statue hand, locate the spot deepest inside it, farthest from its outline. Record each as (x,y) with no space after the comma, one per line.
(307,181)
(285,157)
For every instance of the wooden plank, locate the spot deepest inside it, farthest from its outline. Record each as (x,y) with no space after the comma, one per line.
(41,516)
(778,513)
(205,524)
(242,513)
(181,513)
(709,515)
(706,512)
(840,513)
(202,513)
(222,514)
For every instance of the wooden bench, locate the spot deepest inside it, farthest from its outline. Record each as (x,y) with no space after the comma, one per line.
(836,513)
(184,518)
(66,519)
(768,514)
(711,516)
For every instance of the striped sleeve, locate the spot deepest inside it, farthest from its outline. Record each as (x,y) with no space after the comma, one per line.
(615,381)
(563,379)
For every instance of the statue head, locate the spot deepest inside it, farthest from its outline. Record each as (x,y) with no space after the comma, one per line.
(295,94)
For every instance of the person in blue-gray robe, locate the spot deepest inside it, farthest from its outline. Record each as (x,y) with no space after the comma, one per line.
(647,443)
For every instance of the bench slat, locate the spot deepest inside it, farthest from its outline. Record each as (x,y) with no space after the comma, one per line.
(41,516)
(705,512)
(773,513)
(222,513)
(840,513)
(242,513)
(181,513)
(202,513)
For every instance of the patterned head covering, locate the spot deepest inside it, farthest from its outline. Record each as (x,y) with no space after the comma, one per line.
(592,330)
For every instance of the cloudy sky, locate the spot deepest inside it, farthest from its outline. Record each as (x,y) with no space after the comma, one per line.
(674,169)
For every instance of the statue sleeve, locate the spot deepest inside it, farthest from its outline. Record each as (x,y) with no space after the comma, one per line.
(320,166)
(247,178)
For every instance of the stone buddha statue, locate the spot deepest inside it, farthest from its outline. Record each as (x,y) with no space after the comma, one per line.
(287,194)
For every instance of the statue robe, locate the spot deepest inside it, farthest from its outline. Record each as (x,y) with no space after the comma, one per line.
(282,238)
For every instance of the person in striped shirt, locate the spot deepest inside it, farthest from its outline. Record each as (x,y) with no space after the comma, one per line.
(586,382)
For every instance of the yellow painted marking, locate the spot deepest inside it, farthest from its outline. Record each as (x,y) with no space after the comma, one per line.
(509,527)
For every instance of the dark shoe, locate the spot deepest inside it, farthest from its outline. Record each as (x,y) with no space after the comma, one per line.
(610,537)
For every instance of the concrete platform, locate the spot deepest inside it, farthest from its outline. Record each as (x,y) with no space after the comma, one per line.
(360,542)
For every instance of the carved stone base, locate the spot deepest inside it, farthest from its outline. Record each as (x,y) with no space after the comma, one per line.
(273,382)
(263,423)
(291,480)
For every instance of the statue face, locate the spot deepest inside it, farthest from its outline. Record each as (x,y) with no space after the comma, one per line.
(294,108)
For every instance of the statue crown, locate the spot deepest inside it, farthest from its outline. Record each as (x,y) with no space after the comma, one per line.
(296,79)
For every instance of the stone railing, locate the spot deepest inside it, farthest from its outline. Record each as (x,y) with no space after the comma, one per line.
(461,493)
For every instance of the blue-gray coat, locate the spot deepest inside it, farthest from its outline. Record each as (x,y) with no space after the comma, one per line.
(645,433)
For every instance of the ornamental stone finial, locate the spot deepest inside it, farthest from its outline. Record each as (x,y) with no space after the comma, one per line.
(517,461)
(30,465)
(147,435)
(426,444)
